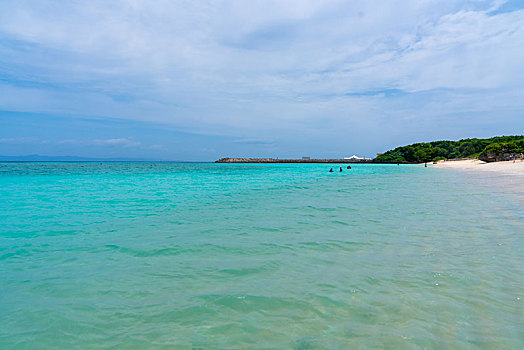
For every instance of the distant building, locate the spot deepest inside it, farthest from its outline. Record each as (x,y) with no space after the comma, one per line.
(306,158)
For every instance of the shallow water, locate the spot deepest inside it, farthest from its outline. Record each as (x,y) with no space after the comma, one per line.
(198,256)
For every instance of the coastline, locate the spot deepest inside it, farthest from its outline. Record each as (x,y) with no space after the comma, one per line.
(277,161)
(504,167)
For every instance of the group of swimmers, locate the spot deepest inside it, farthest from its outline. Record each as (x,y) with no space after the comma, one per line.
(331,170)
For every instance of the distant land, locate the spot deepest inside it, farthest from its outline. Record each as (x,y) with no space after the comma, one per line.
(493,149)
(303,160)
(498,148)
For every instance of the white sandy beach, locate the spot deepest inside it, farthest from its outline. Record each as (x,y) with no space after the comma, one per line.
(509,167)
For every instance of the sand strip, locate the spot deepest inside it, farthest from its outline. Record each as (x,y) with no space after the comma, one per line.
(509,167)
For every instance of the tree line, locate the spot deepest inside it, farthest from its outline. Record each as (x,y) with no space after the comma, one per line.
(496,148)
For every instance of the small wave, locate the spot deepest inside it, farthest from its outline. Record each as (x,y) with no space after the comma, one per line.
(246,270)
(258,303)
(143,253)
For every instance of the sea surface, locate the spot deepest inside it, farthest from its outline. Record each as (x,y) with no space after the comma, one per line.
(267,256)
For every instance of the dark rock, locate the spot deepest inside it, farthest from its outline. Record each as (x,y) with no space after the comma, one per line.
(497,157)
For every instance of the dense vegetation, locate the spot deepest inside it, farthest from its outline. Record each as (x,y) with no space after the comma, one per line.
(466,148)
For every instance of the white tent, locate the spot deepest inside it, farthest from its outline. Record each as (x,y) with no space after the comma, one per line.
(354,157)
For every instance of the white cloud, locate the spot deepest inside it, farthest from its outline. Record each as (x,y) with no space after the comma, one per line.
(246,68)
(16,140)
(120,142)
(124,142)
(254,141)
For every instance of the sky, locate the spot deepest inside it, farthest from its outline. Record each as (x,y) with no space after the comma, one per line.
(199,80)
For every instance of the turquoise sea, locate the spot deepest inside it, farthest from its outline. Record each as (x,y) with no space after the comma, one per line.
(237,256)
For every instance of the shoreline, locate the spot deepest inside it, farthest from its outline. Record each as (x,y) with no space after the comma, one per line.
(287,161)
(503,167)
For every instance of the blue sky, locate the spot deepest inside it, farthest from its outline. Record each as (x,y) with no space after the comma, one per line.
(198,80)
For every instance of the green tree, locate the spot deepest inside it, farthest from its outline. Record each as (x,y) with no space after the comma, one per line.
(424,151)
(421,155)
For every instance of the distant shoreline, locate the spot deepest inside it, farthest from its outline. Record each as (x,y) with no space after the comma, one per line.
(507,167)
(276,160)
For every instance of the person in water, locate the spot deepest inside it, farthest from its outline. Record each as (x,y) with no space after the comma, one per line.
(349,167)
(331,170)
(340,169)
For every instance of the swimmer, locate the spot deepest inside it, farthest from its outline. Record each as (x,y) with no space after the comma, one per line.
(340,169)
(349,167)
(331,170)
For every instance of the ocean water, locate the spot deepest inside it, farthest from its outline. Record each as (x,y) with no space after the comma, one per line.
(232,256)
